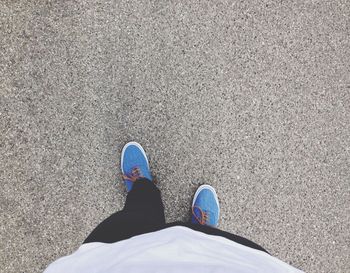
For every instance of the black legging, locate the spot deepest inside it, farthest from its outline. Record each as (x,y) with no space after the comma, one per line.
(144,212)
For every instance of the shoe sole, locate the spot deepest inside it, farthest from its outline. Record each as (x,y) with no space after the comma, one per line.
(208,187)
(132,143)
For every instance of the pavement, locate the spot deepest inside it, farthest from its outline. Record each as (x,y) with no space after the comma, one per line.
(252,97)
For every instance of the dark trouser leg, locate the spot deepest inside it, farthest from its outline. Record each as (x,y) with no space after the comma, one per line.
(143,212)
(218,232)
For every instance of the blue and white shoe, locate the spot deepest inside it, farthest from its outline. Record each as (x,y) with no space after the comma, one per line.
(134,164)
(205,207)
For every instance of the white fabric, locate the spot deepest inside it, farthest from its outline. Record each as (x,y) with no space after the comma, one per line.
(174,249)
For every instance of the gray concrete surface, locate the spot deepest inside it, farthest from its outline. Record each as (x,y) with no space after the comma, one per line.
(252,97)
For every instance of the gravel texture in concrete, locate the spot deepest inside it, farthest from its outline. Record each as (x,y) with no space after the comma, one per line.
(252,97)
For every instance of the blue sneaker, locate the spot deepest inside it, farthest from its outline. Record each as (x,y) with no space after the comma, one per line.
(205,207)
(134,164)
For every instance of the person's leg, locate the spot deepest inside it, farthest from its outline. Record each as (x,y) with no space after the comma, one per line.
(143,212)
(205,217)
